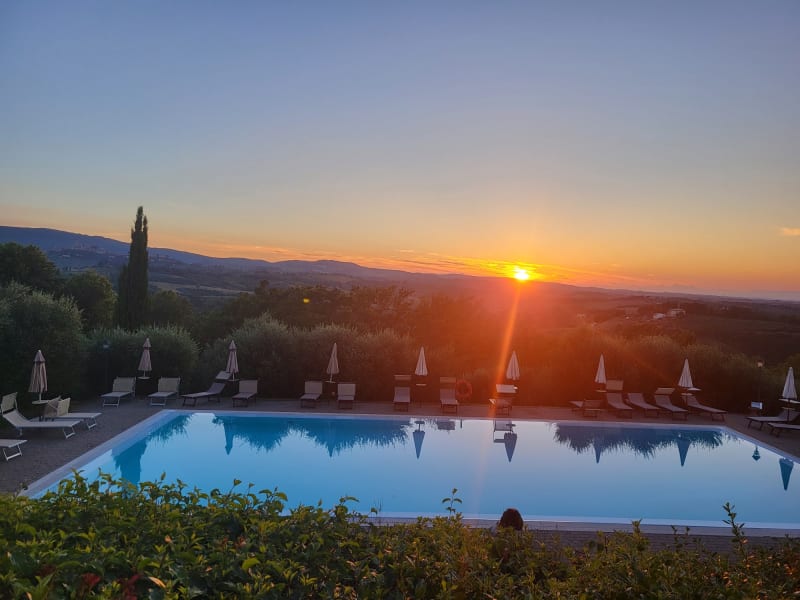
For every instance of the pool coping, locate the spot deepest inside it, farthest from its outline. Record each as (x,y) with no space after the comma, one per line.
(554,524)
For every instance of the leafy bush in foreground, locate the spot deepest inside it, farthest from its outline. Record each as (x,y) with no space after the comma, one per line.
(161,541)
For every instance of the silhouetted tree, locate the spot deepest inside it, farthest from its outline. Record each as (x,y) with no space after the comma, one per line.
(167,307)
(29,266)
(94,295)
(132,302)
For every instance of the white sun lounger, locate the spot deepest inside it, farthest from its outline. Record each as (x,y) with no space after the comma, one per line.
(59,410)
(168,387)
(777,428)
(693,404)
(122,388)
(214,391)
(11,448)
(787,415)
(503,400)
(20,422)
(345,395)
(402,398)
(636,400)
(312,394)
(615,403)
(662,401)
(589,408)
(447,394)
(248,388)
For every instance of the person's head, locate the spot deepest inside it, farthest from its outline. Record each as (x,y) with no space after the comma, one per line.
(511,518)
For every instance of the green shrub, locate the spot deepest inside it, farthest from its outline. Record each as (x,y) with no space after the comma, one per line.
(110,539)
(31,321)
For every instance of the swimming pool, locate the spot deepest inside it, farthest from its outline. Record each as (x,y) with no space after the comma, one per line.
(404,467)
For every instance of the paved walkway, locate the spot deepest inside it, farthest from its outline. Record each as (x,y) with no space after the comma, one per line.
(46,450)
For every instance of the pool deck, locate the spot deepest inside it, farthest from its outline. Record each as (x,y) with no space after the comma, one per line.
(47,450)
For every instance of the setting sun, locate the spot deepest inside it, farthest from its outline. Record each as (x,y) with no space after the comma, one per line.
(521,274)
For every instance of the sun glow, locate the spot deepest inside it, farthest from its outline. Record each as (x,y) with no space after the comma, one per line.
(521,274)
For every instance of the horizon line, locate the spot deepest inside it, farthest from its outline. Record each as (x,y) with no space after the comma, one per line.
(470,267)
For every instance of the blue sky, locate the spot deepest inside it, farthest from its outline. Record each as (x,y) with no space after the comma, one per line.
(650,145)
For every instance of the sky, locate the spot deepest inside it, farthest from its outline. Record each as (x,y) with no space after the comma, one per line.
(639,145)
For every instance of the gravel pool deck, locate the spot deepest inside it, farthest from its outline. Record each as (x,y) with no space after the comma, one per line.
(47,450)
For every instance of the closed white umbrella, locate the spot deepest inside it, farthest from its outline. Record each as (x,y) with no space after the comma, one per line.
(333,364)
(789,389)
(600,376)
(38,375)
(145,366)
(512,371)
(233,361)
(686,378)
(422,366)
(789,393)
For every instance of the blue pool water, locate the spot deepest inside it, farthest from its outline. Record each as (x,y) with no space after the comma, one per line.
(404,467)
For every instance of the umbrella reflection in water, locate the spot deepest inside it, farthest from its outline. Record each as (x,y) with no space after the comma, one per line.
(786,471)
(418,436)
(508,437)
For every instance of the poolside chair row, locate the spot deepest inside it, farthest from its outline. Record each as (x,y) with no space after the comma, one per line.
(662,405)
(248,389)
(313,392)
(169,387)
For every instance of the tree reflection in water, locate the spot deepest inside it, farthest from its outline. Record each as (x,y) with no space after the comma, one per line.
(129,460)
(335,435)
(641,440)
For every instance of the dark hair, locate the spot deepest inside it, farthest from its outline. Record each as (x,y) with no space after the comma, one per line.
(511,518)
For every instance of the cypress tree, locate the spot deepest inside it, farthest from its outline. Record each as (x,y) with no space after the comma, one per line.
(132,300)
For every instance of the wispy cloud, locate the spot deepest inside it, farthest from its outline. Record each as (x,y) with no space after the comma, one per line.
(790,231)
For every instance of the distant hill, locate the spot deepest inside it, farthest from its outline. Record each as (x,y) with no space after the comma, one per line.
(204,280)
(55,242)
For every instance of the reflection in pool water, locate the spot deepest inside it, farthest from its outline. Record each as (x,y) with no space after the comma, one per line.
(405,466)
